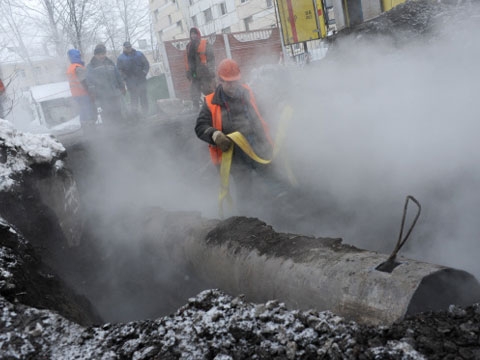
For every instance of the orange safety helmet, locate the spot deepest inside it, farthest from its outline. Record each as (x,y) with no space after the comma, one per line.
(228,70)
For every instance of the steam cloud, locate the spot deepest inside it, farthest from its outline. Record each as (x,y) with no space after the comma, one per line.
(375,122)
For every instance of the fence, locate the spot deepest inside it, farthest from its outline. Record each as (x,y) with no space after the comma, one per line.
(250,49)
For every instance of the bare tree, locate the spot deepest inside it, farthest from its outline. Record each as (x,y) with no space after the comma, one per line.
(154,46)
(135,17)
(49,15)
(14,27)
(124,20)
(79,22)
(111,26)
(54,14)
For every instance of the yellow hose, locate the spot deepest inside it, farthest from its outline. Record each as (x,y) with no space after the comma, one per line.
(226,164)
(243,144)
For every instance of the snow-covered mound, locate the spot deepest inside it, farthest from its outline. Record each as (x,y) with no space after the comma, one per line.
(19,151)
(212,325)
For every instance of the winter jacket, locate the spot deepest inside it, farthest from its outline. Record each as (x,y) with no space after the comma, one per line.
(220,112)
(133,66)
(76,73)
(2,87)
(76,86)
(199,59)
(103,79)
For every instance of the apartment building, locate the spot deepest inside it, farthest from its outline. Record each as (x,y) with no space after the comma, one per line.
(172,19)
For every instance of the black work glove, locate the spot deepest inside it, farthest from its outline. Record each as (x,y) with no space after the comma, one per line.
(221,140)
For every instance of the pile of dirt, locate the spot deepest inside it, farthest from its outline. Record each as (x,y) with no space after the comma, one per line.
(214,325)
(452,334)
(412,20)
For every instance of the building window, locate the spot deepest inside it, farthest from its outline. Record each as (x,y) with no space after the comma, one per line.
(180,25)
(247,21)
(243,1)
(160,34)
(269,3)
(38,70)
(156,15)
(223,8)
(208,15)
(170,19)
(191,2)
(21,73)
(194,20)
(226,30)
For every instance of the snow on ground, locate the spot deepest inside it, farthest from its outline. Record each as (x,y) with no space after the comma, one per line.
(212,325)
(66,127)
(34,127)
(21,150)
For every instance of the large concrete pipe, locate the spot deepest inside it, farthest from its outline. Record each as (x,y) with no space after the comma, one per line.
(246,256)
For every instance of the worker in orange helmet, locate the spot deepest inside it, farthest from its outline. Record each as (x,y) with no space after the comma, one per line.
(232,108)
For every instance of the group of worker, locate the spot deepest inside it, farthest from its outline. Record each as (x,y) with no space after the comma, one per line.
(100,87)
(228,118)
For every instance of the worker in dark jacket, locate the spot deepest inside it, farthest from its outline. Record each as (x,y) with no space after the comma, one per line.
(106,86)
(134,67)
(230,110)
(199,66)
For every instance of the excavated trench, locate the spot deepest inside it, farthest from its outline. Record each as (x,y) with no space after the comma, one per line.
(137,260)
(128,272)
(138,248)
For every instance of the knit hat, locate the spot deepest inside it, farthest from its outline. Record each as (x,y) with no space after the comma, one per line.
(75,56)
(100,49)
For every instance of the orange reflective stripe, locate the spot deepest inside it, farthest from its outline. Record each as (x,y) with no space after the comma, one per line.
(215,152)
(216,110)
(202,51)
(76,86)
(185,59)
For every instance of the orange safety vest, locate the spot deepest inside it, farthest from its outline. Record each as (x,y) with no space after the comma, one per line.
(76,86)
(202,53)
(216,110)
(2,87)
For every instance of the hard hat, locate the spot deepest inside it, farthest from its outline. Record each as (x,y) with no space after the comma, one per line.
(228,70)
